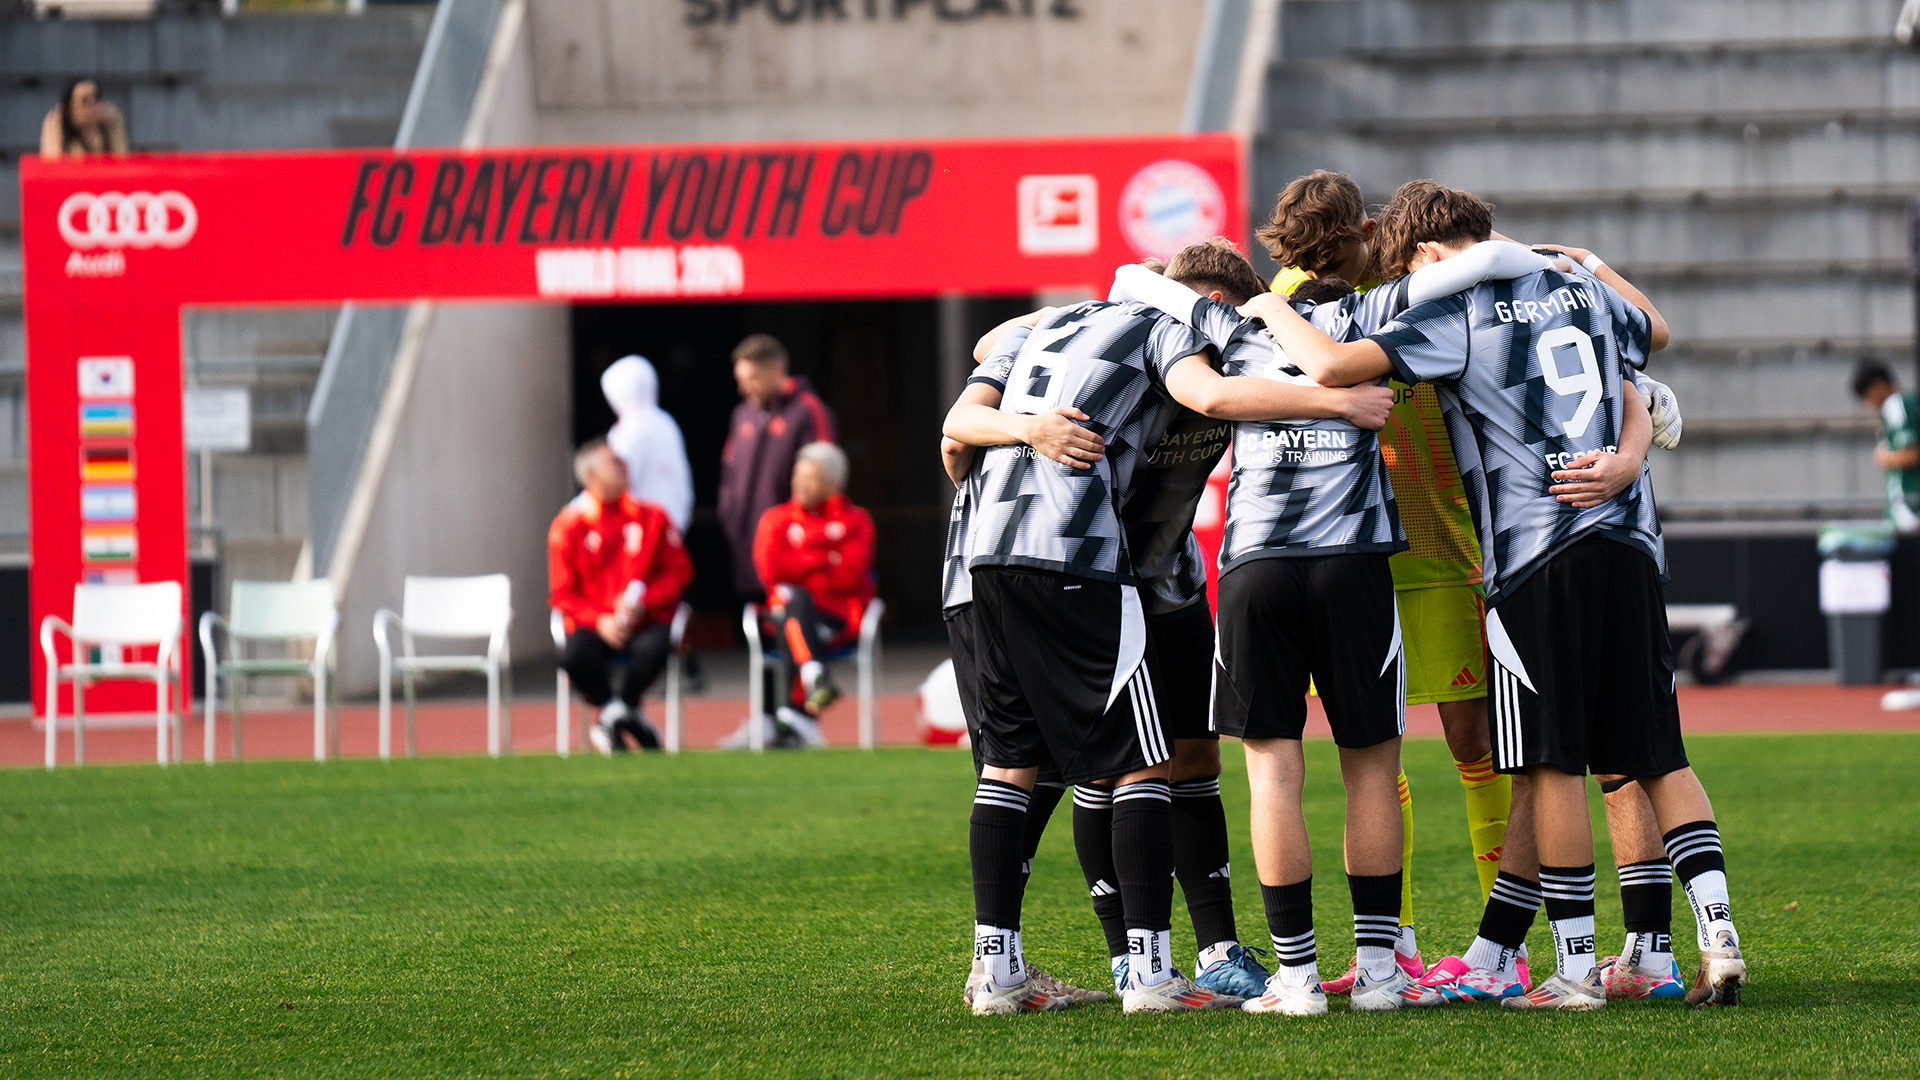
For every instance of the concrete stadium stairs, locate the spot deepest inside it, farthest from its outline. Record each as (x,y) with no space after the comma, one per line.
(1747,162)
(203,82)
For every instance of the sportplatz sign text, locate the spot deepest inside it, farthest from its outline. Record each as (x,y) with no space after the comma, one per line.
(112,251)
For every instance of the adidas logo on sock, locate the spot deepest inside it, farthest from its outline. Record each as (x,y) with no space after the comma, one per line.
(1223,872)
(1101,888)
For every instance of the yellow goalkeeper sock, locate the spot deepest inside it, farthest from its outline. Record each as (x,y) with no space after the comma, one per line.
(1489,796)
(1406,852)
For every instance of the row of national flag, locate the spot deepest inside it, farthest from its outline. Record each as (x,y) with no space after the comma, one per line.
(108,507)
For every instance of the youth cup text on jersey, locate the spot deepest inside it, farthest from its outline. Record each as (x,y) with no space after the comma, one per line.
(1528,372)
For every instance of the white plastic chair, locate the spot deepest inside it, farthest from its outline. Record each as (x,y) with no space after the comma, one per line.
(464,607)
(866,651)
(563,686)
(274,611)
(113,617)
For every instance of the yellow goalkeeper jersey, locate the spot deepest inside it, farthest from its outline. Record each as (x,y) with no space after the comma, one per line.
(1427,489)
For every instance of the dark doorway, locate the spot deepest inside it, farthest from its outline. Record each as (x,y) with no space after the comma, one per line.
(877,364)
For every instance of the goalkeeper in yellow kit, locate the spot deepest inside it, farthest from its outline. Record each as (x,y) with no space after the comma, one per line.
(1319,233)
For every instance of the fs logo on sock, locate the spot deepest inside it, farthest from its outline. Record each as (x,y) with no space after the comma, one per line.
(1136,947)
(1580,946)
(1719,913)
(1663,943)
(990,946)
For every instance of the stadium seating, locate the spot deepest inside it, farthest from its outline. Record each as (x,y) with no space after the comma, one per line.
(279,611)
(462,607)
(563,687)
(113,617)
(866,651)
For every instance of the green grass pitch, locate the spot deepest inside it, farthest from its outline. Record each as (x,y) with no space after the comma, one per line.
(809,915)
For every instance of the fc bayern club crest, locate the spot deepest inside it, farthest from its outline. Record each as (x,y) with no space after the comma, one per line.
(1170,204)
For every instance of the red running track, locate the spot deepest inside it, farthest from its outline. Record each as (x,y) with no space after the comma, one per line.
(460,727)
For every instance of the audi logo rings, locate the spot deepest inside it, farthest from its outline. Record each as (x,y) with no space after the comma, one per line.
(140,220)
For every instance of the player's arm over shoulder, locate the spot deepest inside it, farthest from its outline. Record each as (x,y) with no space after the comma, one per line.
(1321,358)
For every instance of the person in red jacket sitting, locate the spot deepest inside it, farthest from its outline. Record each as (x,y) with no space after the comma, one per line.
(815,553)
(615,571)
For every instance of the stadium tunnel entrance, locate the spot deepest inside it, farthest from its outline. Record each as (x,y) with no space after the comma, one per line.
(888,368)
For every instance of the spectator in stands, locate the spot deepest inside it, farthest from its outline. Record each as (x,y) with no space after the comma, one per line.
(648,440)
(615,569)
(83,125)
(1898,451)
(777,415)
(815,552)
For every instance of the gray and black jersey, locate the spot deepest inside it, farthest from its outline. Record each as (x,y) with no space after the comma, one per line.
(1158,513)
(1300,487)
(956,583)
(1110,362)
(1528,373)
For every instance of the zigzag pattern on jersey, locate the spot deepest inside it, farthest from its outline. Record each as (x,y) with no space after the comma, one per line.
(956,587)
(1094,356)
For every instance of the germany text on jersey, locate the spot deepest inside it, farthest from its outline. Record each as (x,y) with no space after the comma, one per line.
(1528,372)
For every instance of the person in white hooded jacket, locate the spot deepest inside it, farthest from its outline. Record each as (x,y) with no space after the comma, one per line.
(648,439)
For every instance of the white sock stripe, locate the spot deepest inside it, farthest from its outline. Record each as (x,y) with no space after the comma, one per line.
(1294,940)
(1688,846)
(1195,789)
(1000,787)
(1143,789)
(1093,798)
(1646,875)
(1521,898)
(1004,804)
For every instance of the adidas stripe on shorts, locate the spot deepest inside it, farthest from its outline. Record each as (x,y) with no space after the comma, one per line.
(1065,672)
(1580,666)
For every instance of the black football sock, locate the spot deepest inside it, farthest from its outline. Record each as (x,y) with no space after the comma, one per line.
(1143,857)
(1646,902)
(1290,928)
(1504,923)
(994,842)
(1694,849)
(1093,842)
(1201,861)
(1040,807)
(1376,921)
(1569,895)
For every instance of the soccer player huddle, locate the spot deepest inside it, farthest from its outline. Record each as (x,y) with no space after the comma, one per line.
(1439,493)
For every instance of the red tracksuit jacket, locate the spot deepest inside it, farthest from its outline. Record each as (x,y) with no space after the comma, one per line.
(594,550)
(829,551)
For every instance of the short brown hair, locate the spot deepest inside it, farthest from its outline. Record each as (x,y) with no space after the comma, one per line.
(1217,264)
(1315,221)
(760,349)
(1422,212)
(1320,291)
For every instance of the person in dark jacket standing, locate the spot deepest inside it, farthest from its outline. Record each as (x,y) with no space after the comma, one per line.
(777,415)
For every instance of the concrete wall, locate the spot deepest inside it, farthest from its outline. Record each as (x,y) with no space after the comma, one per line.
(661,70)
(481,463)
(1746,162)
